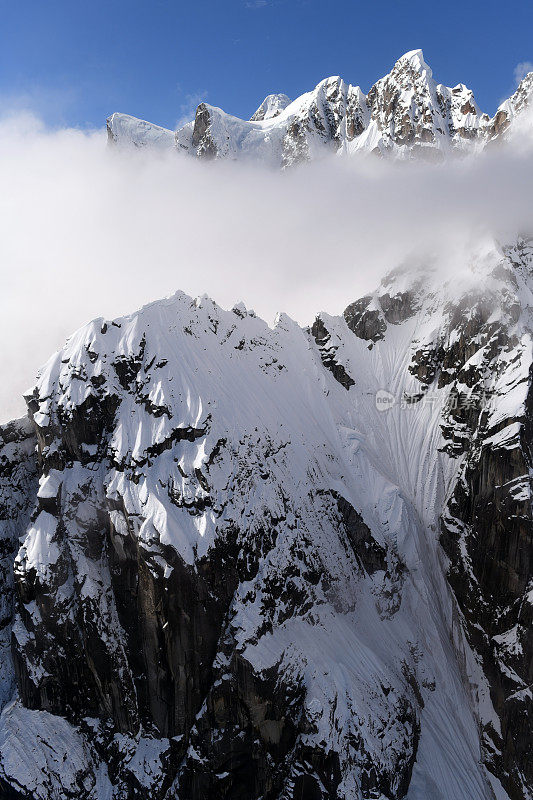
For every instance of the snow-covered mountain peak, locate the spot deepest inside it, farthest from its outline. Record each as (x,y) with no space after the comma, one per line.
(271,107)
(415,61)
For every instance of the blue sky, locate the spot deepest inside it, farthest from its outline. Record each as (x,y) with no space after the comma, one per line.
(74,62)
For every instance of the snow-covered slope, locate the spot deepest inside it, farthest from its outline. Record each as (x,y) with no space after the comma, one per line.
(277,562)
(123,128)
(406,114)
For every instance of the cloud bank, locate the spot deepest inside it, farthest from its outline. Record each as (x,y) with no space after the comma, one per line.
(90,231)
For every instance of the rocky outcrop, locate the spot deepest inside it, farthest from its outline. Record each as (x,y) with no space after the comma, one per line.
(18,474)
(369,316)
(202,139)
(327,353)
(365,319)
(511,109)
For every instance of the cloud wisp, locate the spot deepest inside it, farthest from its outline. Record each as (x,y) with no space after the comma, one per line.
(90,231)
(189,106)
(521,70)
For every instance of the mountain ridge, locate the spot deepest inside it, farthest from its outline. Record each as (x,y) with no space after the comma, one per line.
(405,115)
(240,577)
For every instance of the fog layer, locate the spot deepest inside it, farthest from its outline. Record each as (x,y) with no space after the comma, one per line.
(88,231)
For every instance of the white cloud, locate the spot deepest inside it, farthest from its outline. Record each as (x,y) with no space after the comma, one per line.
(88,231)
(188,107)
(521,70)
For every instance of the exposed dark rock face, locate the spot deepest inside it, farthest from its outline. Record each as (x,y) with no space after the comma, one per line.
(201,124)
(492,585)
(367,323)
(398,308)
(327,353)
(370,554)
(488,529)
(369,316)
(18,476)
(201,139)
